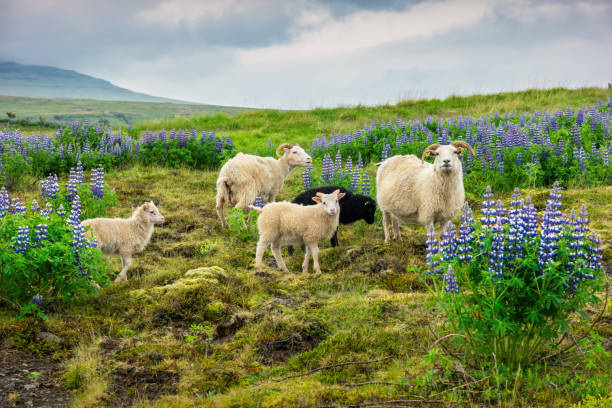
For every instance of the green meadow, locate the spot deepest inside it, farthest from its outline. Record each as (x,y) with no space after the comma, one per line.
(197,326)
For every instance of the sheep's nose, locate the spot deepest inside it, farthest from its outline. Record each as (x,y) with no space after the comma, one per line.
(446,161)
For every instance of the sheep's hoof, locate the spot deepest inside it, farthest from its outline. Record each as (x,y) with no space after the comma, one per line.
(120,279)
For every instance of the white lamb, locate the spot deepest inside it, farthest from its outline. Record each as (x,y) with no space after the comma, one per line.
(417,192)
(245,177)
(285,223)
(124,237)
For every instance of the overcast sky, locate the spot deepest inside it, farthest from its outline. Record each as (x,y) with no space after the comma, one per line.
(308,53)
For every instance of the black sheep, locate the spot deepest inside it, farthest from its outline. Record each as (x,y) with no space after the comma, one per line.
(353,207)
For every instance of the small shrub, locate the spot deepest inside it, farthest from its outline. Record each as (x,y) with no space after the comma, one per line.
(44,255)
(240,226)
(508,284)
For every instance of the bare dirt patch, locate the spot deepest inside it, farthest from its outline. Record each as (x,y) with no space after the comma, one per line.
(27,380)
(135,384)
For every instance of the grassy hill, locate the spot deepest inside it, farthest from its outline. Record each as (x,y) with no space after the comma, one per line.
(37,81)
(253,128)
(362,333)
(116,113)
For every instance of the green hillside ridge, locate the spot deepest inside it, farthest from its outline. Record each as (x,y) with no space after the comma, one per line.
(38,81)
(116,113)
(253,128)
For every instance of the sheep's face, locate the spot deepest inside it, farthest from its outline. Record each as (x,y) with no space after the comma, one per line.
(329,202)
(297,156)
(368,209)
(446,158)
(152,213)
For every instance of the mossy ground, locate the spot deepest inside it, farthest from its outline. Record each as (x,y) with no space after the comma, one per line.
(223,334)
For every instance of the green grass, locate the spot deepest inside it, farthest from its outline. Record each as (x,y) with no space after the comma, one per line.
(368,305)
(117,113)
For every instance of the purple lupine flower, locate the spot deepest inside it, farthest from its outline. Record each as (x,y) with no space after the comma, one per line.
(499,158)
(488,210)
(34,206)
(78,238)
(348,167)
(17,206)
(451,281)
(75,214)
(365,183)
(355,180)
(49,187)
(71,189)
(306,179)
(327,168)
(46,212)
(595,257)
(359,161)
(497,255)
(529,217)
(464,237)
(550,227)
(258,202)
(37,299)
(61,211)
(22,241)
(41,235)
(432,252)
(338,164)
(96,182)
(4,202)
(448,246)
(78,173)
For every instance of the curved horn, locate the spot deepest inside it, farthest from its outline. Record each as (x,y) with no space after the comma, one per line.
(428,149)
(281,147)
(461,143)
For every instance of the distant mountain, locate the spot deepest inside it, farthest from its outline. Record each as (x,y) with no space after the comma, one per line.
(37,81)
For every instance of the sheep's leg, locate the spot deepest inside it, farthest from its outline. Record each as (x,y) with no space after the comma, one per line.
(306,260)
(279,259)
(126,261)
(334,239)
(395,222)
(385,220)
(220,200)
(261,248)
(314,250)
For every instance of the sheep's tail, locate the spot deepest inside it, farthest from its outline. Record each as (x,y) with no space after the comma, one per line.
(224,193)
(257,209)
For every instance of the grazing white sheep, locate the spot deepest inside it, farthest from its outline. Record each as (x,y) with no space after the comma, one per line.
(125,236)
(417,192)
(245,177)
(285,223)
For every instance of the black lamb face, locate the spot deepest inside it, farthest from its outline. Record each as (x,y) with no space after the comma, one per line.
(369,208)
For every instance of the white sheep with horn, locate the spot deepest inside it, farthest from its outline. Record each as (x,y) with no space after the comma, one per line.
(245,177)
(417,192)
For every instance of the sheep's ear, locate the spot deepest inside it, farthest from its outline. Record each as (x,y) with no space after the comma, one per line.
(145,206)
(319,194)
(316,199)
(336,192)
(367,202)
(341,195)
